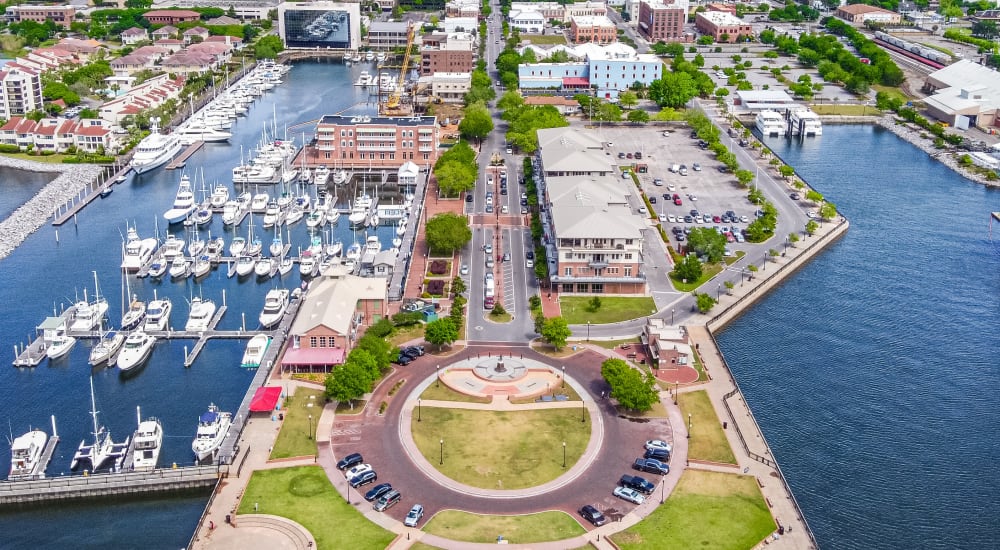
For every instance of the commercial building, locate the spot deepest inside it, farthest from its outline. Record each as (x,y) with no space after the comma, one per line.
(593,28)
(723,26)
(667,345)
(170,17)
(462,8)
(388,35)
(245,9)
(449,53)
(562,11)
(60,15)
(320,25)
(859,13)
(375,142)
(20,90)
(527,20)
(658,21)
(451,87)
(964,94)
(564,105)
(608,70)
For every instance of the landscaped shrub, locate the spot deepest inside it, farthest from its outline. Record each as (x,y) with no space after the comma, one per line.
(439,267)
(435,288)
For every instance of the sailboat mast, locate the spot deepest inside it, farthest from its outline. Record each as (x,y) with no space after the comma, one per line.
(93,413)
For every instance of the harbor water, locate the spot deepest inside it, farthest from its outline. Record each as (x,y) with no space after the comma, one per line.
(51,269)
(874,370)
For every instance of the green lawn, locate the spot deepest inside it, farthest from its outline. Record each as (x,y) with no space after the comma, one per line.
(48,159)
(406,334)
(892,91)
(576,309)
(294,438)
(501,450)
(846,110)
(708,441)
(544,39)
(501,317)
(305,495)
(612,344)
(706,510)
(541,527)
(441,392)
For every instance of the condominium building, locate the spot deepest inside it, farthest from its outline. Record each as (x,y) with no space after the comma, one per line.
(387,35)
(658,21)
(60,15)
(451,87)
(20,90)
(375,142)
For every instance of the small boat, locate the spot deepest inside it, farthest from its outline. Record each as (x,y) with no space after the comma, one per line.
(254,353)
(263,267)
(320,176)
(172,247)
(147,441)
(183,202)
(288,176)
(370,56)
(397,242)
(196,246)
(315,218)
(220,195)
(401,227)
(245,265)
(259,202)
(255,247)
(105,191)
(277,246)
(285,267)
(307,264)
(87,315)
(231,212)
(305,176)
(138,347)
(364,79)
(275,304)
(373,221)
(272,214)
(354,252)
(137,251)
(335,249)
(180,268)
(106,348)
(341,177)
(294,214)
(332,216)
(158,315)
(59,343)
(372,245)
(213,426)
(157,269)
(202,215)
(135,315)
(26,456)
(237,245)
(95,456)
(201,314)
(214,249)
(202,266)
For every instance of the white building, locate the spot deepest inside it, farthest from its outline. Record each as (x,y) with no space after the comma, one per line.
(20,90)
(451,87)
(527,21)
(964,94)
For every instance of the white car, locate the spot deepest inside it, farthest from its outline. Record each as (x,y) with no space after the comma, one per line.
(658,444)
(642,210)
(671,187)
(357,470)
(744,219)
(413,517)
(663,217)
(489,276)
(488,248)
(464,270)
(630,495)
(693,197)
(671,218)
(529,263)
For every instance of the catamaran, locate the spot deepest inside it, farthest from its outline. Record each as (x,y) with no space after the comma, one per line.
(95,456)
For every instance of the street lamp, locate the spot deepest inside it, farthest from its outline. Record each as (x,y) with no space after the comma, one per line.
(441,461)
(675,393)
(583,411)
(689,426)
(663,489)
(588,331)
(671,316)
(437,377)
(418,410)
(310,426)
(564,454)
(786,246)
(718,292)
(564,376)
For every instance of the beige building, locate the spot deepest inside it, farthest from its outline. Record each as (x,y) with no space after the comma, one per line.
(964,94)
(722,26)
(451,87)
(859,13)
(667,345)
(20,90)
(593,28)
(60,15)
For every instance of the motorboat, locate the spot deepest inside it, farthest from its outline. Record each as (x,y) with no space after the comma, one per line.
(172,247)
(305,176)
(213,425)
(158,315)
(805,123)
(332,216)
(272,214)
(316,245)
(259,202)
(219,196)
(96,455)
(231,212)
(106,348)
(321,175)
(147,442)
(341,177)
(135,315)
(372,245)
(262,268)
(184,202)
(26,456)
(157,268)
(294,214)
(275,304)
(86,314)
(335,249)
(285,267)
(353,252)
(138,347)
(364,79)
(200,318)
(380,57)
(237,245)
(138,251)
(214,249)
(58,343)
(289,175)
(770,123)
(202,266)
(370,56)
(360,211)
(202,215)
(196,131)
(397,242)
(180,268)
(196,246)
(256,348)
(307,264)
(245,265)
(155,149)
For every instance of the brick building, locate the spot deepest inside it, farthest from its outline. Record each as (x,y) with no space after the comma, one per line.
(447,53)
(593,28)
(660,21)
(60,15)
(859,13)
(376,142)
(722,26)
(171,17)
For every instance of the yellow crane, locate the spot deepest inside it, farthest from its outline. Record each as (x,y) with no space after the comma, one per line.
(394,104)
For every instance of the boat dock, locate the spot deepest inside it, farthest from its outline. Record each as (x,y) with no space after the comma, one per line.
(189,358)
(46,457)
(181,160)
(33,354)
(104,182)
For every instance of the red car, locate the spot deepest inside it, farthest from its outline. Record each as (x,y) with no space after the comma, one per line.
(677,200)
(676,196)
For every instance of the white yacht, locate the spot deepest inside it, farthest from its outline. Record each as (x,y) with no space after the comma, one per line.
(158,315)
(138,251)
(315,218)
(214,249)
(138,347)
(245,265)
(262,268)
(87,315)
(259,202)
(220,195)
(202,266)
(58,343)
(213,425)
(805,123)
(26,455)
(286,265)
(105,349)
(147,441)
(157,268)
(254,353)
(180,268)
(364,79)
(275,304)
(184,202)
(321,175)
(307,264)
(172,247)
(198,132)
(372,245)
(770,123)
(155,149)
(201,315)
(231,212)
(272,214)
(237,245)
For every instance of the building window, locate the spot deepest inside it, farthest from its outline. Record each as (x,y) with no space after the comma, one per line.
(312,341)
(568,272)
(628,271)
(597,288)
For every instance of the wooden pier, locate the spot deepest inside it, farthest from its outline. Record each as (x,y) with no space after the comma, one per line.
(97,188)
(190,358)
(181,160)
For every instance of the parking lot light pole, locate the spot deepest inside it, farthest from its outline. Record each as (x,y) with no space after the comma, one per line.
(663,489)
(564,376)
(441,460)
(588,331)
(310,426)
(671,316)
(583,411)
(689,426)
(718,292)
(418,410)
(437,376)
(564,454)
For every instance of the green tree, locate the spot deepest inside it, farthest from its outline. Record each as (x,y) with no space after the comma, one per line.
(268,47)
(706,241)
(382,328)
(555,331)
(347,382)
(628,99)
(455,177)
(477,122)
(458,286)
(447,232)
(688,269)
(705,302)
(365,360)
(811,227)
(441,332)
(498,309)
(638,117)
(786,171)
(828,211)
(744,177)
(594,304)
(673,90)
(632,389)
(381,351)
(510,100)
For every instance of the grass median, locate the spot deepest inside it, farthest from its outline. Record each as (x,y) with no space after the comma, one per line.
(304,494)
(708,441)
(501,449)
(541,527)
(706,510)
(577,310)
(296,437)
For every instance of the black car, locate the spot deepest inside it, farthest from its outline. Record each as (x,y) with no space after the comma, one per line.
(694,135)
(529,255)
(414,351)
(377,491)
(676,230)
(666,196)
(794,196)
(524,202)
(659,454)
(402,359)
(593,515)
(652,200)
(638,483)
(503,190)
(468,198)
(364,479)
(650,466)
(350,461)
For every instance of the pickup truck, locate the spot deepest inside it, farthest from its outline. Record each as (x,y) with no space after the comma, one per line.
(637,483)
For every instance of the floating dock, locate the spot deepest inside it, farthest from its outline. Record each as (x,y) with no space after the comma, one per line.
(181,160)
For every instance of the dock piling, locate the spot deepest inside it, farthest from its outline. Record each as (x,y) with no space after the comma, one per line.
(54,432)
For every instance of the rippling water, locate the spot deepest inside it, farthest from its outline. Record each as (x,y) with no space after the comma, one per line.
(873,371)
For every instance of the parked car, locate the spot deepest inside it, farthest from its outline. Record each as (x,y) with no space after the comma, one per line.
(678,201)
(377,491)
(468,198)
(630,495)
(357,470)
(387,500)
(350,461)
(638,155)
(488,248)
(642,210)
(658,444)
(413,517)
(489,261)
(590,513)
(529,255)
(659,454)
(364,478)
(419,350)
(652,200)
(794,196)
(402,359)
(638,483)
(489,208)
(696,167)
(464,270)
(650,466)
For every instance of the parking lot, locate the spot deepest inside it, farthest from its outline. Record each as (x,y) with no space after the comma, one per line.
(708,190)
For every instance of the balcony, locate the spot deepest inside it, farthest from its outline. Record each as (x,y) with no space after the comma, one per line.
(597,264)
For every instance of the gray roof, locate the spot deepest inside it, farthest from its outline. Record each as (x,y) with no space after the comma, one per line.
(592,207)
(389,26)
(569,150)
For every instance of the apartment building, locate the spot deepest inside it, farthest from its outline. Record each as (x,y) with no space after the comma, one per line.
(593,28)
(387,35)
(448,53)
(375,142)
(60,15)
(20,90)
(451,87)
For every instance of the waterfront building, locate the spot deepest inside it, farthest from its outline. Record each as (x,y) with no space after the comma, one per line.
(667,346)
(147,95)
(759,100)
(388,35)
(56,135)
(723,26)
(60,15)
(593,28)
(375,143)
(861,13)
(451,87)
(170,17)
(320,25)
(964,94)
(609,69)
(20,90)
(658,21)
(407,174)
(133,35)
(448,53)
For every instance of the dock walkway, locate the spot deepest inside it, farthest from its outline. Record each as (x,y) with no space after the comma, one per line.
(180,160)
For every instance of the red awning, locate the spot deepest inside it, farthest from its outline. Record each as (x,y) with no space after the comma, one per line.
(313,357)
(265,399)
(575,81)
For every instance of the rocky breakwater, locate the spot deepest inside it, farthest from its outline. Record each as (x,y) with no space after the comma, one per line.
(924,140)
(71,179)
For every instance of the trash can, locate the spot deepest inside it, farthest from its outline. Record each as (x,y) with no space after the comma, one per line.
(725,425)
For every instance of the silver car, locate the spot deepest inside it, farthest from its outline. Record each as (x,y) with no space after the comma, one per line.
(630,495)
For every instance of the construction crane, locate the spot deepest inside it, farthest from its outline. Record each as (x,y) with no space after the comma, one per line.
(393,106)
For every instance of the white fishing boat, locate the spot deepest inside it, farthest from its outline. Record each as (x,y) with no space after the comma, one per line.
(202,215)
(259,202)
(138,251)
(214,249)
(256,348)
(372,245)
(213,426)
(285,267)
(147,441)
(245,265)
(307,264)
(275,304)
(26,456)
(231,212)
(200,318)
(220,195)
(158,315)
(155,149)
(180,268)
(138,348)
(184,202)
(58,343)
(262,268)
(87,315)
(96,455)
(202,266)
(321,175)
(106,348)
(237,245)
(158,268)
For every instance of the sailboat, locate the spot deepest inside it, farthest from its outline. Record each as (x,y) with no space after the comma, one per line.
(103,449)
(87,315)
(104,351)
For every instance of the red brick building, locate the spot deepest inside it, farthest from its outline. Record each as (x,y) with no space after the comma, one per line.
(659,21)
(593,28)
(171,17)
(376,142)
(60,15)
(446,53)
